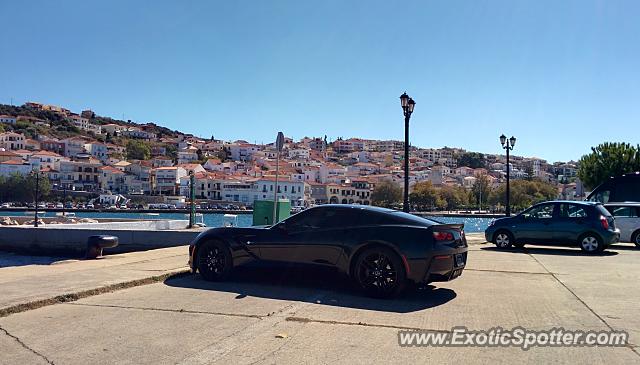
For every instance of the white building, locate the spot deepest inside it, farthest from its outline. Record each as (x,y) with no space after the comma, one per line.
(12,141)
(12,167)
(8,119)
(74,147)
(137,133)
(187,155)
(242,151)
(168,178)
(83,124)
(46,160)
(97,150)
(299,153)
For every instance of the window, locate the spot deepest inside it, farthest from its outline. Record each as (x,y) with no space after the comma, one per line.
(540,212)
(624,211)
(572,211)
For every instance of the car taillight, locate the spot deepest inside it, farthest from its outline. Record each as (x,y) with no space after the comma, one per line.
(442,236)
(604,222)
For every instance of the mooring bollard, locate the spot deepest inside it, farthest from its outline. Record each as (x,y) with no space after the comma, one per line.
(95,244)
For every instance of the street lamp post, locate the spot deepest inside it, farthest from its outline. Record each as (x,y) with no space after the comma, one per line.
(407,104)
(508,146)
(279,146)
(35,221)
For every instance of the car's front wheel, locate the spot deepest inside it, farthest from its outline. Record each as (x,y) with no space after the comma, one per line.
(378,271)
(635,238)
(591,243)
(214,261)
(503,239)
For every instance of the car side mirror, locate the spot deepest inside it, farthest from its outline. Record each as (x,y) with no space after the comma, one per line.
(282,227)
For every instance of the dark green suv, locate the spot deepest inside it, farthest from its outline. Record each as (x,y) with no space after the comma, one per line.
(586,224)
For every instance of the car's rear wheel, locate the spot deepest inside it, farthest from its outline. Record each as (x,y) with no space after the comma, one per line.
(591,243)
(214,261)
(379,273)
(635,238)
(503,239)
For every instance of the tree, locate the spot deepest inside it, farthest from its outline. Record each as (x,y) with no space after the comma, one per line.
(426,197)
(455,197)
(22,188)
(524,193)
(386,194)
(481,189)
(607,160)
(472,159)
(138,150)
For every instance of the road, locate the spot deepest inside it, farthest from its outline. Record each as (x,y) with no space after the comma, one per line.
(301,315)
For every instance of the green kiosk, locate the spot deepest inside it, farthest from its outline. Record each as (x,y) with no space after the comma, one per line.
(263,211)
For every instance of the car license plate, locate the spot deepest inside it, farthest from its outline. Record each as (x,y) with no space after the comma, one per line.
(459,259)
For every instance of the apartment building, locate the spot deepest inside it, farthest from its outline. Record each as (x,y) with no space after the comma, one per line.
(12,141)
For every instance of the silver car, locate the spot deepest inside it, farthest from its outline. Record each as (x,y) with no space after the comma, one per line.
(627,216)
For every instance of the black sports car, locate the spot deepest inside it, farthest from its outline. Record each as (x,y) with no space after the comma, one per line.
(380,249)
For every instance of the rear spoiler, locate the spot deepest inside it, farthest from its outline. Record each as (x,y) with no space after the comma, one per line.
(455,226)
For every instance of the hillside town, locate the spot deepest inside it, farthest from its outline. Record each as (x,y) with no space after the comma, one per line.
(82,152)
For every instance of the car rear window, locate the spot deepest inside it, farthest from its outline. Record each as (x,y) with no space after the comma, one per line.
(602,210)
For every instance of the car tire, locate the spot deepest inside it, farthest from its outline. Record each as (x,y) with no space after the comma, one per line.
(379,272)
(635,238)
(591,243)
(214,261)
(503,239)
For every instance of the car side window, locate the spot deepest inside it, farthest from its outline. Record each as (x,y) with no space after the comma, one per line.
(540,212)
(572,211)
(304,220)
(623,211)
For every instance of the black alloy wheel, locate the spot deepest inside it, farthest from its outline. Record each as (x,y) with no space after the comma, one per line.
(214,261)
(379,272)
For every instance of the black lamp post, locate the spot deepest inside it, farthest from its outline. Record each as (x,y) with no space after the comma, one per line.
(508,146)
(37,197)
(407,107)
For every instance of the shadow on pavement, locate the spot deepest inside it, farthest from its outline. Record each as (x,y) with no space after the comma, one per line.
(624,246)
(314,285)
(541,250)
(8,259)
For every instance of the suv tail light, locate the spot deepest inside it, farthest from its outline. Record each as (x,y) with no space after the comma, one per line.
(604,222)
(442,236)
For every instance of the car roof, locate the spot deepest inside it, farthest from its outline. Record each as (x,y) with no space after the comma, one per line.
(579,202)
(623,204)
(355,206)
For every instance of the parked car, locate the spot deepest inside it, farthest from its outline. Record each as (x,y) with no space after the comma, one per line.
(5,205)
(59,206)
(380,249)
(586,224)
(627,216)
(90,206)
(625,188)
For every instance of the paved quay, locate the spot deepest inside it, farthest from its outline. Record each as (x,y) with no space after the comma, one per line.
(262,315)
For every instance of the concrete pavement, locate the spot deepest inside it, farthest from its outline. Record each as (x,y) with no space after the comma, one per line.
(299,315)
(31,281)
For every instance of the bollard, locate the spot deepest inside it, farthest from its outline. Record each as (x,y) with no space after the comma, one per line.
(95,244)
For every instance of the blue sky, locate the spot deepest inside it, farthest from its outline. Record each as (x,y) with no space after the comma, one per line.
(559,75)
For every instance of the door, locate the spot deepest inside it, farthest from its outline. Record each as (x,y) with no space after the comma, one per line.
(307,237)
(535,224)
(572,220)
(627,220)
